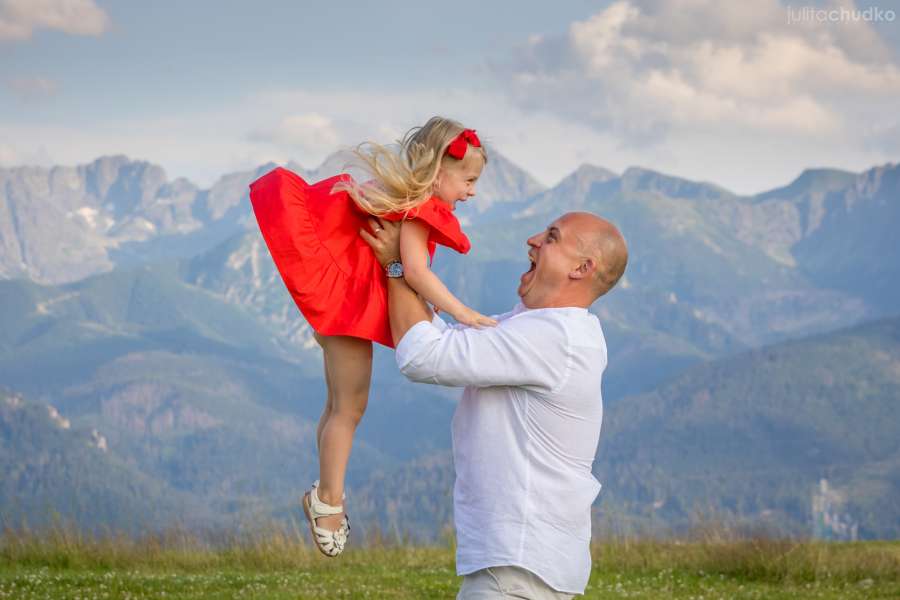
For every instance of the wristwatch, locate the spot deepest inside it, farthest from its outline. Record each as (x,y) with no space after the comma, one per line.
(394,269)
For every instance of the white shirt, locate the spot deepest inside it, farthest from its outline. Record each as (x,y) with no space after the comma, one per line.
(524,435)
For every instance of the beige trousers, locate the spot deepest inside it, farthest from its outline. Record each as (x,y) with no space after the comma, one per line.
(507,582)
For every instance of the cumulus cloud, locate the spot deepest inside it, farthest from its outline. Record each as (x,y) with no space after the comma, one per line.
(262,126)
(273,125)
(20,18)
(306,130)
(309,125)
(644,70)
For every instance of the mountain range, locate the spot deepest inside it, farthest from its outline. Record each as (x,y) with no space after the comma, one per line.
(150,311)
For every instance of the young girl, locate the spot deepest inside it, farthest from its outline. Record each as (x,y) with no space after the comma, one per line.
(312,231)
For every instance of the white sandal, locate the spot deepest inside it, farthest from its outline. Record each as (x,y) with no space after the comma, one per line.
(330,543)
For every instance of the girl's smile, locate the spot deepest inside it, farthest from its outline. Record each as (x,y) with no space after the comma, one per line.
(456,182)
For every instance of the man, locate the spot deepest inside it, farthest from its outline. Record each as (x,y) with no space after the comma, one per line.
(527,427)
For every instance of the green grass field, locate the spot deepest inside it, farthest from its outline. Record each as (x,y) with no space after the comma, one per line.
(271,564)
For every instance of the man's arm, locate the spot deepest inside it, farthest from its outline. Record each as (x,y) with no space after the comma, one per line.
(524,352)
(521,351)
(404,305)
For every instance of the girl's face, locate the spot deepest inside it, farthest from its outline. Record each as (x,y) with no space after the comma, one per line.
(456,182)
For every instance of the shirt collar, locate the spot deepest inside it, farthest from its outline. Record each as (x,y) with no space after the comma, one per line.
(520,307)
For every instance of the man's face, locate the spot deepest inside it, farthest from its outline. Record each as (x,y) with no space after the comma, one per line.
(554,254)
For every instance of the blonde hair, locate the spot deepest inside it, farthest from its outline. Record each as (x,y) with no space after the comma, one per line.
(403,179)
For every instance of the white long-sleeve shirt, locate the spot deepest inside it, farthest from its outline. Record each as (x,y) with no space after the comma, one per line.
(524,435)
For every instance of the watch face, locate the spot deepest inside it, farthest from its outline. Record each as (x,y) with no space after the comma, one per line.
(395,270)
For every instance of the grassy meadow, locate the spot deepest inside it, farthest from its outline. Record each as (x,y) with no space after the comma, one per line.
(60,562)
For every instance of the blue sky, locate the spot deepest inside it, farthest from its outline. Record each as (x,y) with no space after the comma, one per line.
(729,92)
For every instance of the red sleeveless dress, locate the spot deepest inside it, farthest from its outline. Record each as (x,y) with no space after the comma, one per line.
(328,268)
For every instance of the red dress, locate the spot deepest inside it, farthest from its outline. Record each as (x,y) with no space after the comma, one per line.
(329,269)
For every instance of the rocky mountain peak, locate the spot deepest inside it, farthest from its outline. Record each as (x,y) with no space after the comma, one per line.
(817,181)
(122,184)
(886,176)
(641,179)
(593,173)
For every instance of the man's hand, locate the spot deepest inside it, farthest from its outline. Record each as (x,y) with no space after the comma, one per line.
(384,239)
(405,308)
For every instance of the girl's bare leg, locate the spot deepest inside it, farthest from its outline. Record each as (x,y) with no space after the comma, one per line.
(326,412)
(348,372)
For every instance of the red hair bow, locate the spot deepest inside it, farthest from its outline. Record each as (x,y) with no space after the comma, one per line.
(459,145)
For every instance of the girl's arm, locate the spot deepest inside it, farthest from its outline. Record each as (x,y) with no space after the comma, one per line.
(414,255)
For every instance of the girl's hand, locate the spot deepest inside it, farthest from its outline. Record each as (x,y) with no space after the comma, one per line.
(473,318)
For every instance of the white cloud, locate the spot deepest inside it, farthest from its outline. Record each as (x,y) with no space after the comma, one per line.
(276,125)
(648,70)
(248,132)
(305,131)
(20,18)
(203,146)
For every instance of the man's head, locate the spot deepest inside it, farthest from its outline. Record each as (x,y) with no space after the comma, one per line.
(577,259)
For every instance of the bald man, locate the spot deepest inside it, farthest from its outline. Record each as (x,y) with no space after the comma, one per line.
(527,427)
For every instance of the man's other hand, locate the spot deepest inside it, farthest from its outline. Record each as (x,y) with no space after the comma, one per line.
(384,239)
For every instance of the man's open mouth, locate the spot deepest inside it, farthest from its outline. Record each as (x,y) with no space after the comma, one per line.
(531,267)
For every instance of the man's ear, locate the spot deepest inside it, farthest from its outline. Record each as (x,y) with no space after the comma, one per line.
(584,270)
